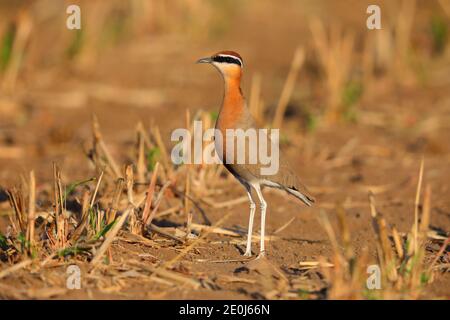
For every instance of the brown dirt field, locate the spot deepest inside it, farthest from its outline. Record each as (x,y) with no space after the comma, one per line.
(339,162)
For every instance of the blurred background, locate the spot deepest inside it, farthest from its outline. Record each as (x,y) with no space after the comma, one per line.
(134,60)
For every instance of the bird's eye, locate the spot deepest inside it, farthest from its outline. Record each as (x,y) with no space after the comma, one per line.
(227,59)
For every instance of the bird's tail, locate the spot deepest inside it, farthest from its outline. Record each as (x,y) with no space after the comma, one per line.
(306,198)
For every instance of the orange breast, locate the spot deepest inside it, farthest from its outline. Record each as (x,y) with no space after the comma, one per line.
(232,107)
(231,112)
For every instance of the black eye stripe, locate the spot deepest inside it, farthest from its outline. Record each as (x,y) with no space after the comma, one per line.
(227,59)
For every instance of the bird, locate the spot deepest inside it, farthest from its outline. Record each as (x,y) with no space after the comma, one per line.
(235,114)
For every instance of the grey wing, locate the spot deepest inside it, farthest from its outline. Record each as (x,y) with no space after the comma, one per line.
(285,179)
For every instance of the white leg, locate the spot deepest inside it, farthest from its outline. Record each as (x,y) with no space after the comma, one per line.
(248,250)
(263,217)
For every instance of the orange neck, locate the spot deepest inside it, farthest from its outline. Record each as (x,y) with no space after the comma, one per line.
(233,103)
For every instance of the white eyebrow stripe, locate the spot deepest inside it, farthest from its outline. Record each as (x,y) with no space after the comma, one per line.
(231,56)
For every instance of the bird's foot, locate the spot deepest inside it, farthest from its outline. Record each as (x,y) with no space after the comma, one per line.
(247,253)
(262,254)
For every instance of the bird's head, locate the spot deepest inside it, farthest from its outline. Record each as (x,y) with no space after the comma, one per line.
(229,63)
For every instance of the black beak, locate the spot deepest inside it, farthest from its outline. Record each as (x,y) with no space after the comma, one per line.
(205,60)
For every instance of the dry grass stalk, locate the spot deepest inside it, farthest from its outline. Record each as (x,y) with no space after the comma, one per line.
(98,141)
(439,254)
(412,273)
(129,176)
(207,123)
(187,207)
(170,275)
(215,174)
(325,223)
(24,26)
(416,205)
(17,203)
(141,167)
(255,103)
(135,238)
(204,177)
(169,211)
(216,230)
(61,223)
(314,264)
(164,233)
(157,202)
(398,243)
(97,186)
(384,251)
(297,62)
(134,224)
(337,277)
(84,218)
(403,30)
(112,210)
(418,274)
(375,225)
(344,233)
(284,226)
(388,256)
(188,123)
(335,53)
(425,219)
(403,273)
(166,163)
(110,237)
(15,268)
(149,198)
(389,49)
(225,204)
(347,274)
(233,279)
(31,210)
(170,263)
(144,135)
